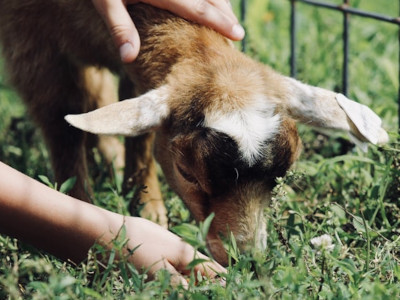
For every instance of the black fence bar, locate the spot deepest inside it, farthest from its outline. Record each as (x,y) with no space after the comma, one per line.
(293,63)
(243,11)
(345,76)
(347,10)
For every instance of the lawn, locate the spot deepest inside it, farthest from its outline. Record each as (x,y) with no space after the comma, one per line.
(334,189)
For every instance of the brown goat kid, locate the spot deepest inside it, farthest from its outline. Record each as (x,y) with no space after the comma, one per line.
(223,123)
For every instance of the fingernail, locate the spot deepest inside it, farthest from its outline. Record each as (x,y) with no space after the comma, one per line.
(238,32)
(126,52)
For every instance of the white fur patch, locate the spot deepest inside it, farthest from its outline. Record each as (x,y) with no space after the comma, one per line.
(250,126)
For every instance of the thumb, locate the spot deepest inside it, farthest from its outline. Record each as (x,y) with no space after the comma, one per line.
(121,28)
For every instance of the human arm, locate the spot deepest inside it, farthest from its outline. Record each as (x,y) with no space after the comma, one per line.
(216,14)
(67,227)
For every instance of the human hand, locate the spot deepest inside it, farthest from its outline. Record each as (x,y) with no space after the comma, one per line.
(216,14)
(161,249)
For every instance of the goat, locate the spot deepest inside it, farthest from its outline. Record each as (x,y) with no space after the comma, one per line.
(223,123)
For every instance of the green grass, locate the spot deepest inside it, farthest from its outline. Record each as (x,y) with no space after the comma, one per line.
(334,189)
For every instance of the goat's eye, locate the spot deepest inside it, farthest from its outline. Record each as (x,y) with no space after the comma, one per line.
(186,175)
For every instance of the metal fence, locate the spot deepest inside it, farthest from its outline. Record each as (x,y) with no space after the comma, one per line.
(346,10)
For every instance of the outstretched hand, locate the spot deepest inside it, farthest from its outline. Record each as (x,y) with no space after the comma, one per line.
(161,249)
(216,14)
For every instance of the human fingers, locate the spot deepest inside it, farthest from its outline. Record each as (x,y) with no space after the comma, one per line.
(121,27)
(176,277)
(216,14)
(206,266)
(157,248)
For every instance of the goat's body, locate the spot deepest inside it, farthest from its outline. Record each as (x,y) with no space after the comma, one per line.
(223,131)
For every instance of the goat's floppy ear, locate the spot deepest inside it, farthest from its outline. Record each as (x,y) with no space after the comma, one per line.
(130,117)
(322,108)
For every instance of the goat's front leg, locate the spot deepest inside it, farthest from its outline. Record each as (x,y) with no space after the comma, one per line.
(141,171)
(101,89)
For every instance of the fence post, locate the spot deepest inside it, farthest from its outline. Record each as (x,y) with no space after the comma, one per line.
(345,74)
(398,95)
(293,69)
(243,8)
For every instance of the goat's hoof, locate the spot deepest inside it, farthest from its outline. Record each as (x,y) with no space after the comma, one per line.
(155,211)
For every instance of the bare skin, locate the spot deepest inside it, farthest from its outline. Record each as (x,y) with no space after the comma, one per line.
(67,227)
(216,14)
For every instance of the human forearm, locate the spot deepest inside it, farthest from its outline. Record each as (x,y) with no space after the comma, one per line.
(47,219)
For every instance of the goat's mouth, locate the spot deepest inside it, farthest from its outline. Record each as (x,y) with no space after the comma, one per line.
(252,239)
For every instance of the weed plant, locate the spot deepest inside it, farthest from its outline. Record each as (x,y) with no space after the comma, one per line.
(334,189)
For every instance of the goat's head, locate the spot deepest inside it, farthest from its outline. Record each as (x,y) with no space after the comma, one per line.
(223,137)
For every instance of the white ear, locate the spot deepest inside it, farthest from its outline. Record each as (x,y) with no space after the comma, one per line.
(322,108)
(129,117)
